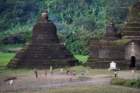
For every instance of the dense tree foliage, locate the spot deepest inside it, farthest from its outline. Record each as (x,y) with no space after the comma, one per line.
(77,20)
(118,9)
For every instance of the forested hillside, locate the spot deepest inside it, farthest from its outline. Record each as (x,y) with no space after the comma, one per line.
(77,20)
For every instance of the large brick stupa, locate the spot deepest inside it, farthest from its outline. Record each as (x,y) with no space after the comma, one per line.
(45,50)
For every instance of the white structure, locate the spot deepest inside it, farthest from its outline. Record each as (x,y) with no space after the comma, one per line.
(10,82)
(112,66)
(132,49)
(61,70)
(51,69)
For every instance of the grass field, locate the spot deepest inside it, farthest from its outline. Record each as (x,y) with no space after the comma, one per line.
(5,58)
(85,89)
(95,89)
(82,58)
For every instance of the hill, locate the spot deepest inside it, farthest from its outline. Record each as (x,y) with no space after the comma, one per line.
(77,20)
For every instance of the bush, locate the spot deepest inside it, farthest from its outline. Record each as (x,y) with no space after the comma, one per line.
(117,81)
(130,83)
(138,83)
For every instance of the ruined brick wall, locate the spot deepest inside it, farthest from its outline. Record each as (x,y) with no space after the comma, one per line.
(104,51)
(44,33)
(107,50)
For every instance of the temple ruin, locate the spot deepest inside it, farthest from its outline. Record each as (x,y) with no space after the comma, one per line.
(123,47)
(45,49)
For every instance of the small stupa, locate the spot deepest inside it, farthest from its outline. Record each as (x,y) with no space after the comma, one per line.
(124,50)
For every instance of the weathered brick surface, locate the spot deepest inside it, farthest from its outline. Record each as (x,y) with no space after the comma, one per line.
(102,52)
(44,51)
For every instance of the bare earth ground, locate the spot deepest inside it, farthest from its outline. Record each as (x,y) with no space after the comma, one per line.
(60,80)
(53,81)
(128,74)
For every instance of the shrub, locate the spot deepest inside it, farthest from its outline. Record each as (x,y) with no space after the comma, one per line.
(130,83)
(118,81)
(137,83)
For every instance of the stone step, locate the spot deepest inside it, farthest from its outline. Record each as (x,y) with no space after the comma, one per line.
(135,33)
(131,19)
(46,57)
(49,52)
(133,24)
(131,37)
(52,62)
(132,29)
(47,49)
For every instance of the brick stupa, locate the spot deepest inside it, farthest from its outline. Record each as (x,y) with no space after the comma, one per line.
(45,50)
(124,49)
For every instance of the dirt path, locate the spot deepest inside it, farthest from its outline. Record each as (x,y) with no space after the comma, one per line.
(53,81)
(129,74)
(56,80)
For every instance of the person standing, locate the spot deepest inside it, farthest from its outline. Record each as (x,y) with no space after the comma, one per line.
(36,73)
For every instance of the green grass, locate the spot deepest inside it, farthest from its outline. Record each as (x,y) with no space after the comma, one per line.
(130,83)
(4,71)
(84,89)
(82,58)
(5,58)
(94,89)
(121,42)
(118,81)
